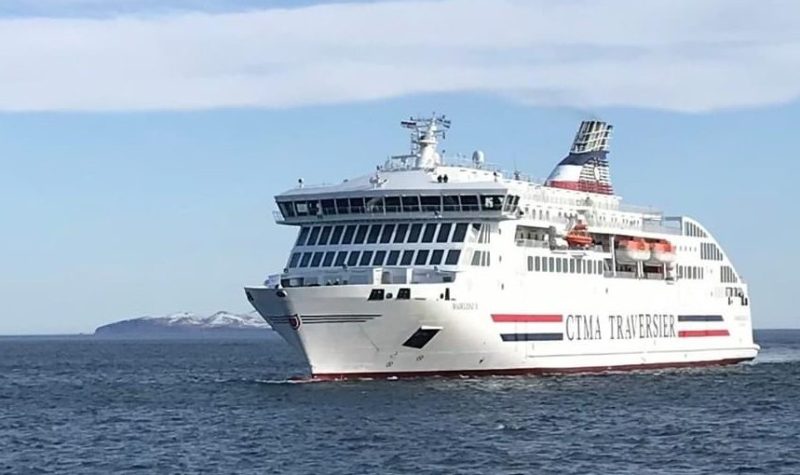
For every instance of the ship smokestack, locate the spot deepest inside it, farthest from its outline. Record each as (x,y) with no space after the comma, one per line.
(586,166)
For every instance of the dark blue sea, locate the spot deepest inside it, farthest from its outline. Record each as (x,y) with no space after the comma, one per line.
(83,405)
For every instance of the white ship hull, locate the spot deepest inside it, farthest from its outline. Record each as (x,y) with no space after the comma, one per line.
(552,328)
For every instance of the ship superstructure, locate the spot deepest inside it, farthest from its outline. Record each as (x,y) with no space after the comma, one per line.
(438,266)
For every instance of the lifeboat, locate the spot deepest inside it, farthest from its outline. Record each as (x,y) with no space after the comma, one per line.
(579,236)
(663,252)
(632,250)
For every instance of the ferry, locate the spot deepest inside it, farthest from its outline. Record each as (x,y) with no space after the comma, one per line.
(439,265)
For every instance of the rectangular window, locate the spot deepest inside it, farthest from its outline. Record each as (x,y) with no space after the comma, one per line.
(315,262)
(352,260)
(451,203)
(558,265)
(452,257)
(477,256)
(431,204)
(336,235)
(393,257)
(341,258)
(366,258)
(327,207)
(460,232)
(348,234)
(411,204)
(408,258)
(572,266)
(302,237)
(422,257)
(324,236)
(392,204)
(306,259)
(469,203)
(400,235)
(492,203)
(356,205)
(436,257)
(294,260)
(430,231)
(380,256)
(537,264)
(343,206)
(361,234)
(386,235)
(413,235)
(375,205)
(328,261)
(444,232)
(530,263)
(564,265)
(374,232)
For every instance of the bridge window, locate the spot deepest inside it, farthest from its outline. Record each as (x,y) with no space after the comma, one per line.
(286,209)
(413,235)
(393,257)
(386,235)
(411,204)
(294,260)
(374,232)
(306,259)
(324,236)
(341,258)
(328,261)
(430,230)
(343,206)
(317,259)
(408,257)
(444,232)
(452,257)
(380,256)
(336,235)
(366,258)
(451,203)
(375,205)
(328,207)
(469,203)
(356,205)
(422,257)
(436,257)
(492,202)
(431,203)
(352,260)
(303,236)
(392,204)
(400,235)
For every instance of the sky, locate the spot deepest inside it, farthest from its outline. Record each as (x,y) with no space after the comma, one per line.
(142,141)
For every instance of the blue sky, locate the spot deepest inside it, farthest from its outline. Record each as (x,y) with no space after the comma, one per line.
(141,142)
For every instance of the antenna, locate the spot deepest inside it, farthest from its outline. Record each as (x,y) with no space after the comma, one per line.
(425,134)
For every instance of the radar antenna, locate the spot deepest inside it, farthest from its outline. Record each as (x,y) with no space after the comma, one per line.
(425,135)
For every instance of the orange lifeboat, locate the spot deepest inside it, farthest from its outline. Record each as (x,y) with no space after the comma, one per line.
(663,252)
(579,236)
(631,250)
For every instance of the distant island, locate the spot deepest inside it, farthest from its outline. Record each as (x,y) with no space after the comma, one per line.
(187,324)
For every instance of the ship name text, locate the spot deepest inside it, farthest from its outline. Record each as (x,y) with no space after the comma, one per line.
(620,327)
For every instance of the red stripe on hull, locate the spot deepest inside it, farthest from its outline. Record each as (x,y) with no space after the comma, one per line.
(519,318)
(525,371)
(702,333)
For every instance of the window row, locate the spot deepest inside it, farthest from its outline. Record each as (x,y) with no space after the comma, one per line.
(694,230)
(383,233)
(375,258)
(399,204)
(727,275)
(710,252)
(690,272)
(565,265)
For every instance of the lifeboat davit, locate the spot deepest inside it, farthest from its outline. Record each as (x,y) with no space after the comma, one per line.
(663,252)
(579,236)
(632,250)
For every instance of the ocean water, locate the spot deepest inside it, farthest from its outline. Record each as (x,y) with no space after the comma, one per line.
(79,405)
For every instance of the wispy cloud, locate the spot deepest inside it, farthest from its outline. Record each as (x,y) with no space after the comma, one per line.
(688,55)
